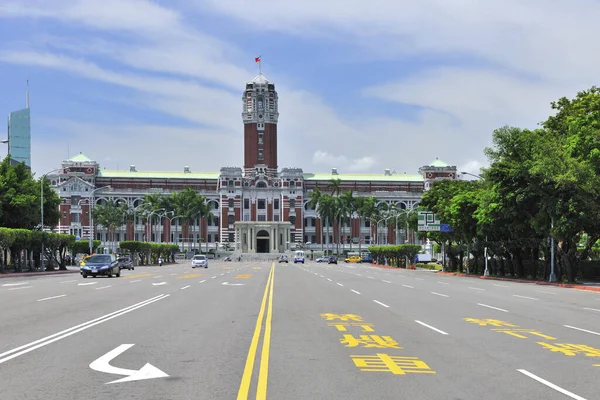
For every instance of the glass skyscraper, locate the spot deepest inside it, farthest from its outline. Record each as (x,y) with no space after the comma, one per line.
(19,136)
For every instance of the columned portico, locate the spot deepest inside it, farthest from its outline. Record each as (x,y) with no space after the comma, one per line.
(262,237)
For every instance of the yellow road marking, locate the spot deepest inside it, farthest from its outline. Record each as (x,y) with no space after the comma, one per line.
(137,276)
(243,276)
(189,276)
(249,367)
(256,267)
(261,390)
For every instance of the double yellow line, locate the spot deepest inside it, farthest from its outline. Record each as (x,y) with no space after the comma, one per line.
(263,373)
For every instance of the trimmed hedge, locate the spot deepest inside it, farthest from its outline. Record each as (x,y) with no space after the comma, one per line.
(394,255)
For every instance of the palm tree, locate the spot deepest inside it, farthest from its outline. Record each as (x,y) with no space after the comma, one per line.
(348,204)
(187,204)
(110,215)
(323,203)
(204,211)
(335,187)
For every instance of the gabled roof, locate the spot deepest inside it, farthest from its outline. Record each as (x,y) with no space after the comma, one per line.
(79,158)
(438,163)
(111,173)
(365,177)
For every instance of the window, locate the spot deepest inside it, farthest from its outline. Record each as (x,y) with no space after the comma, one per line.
(293,220)
(231,237)
(292,203)
(260,138)
(230,219)
(261,184)
(262,217)
(298,184)
(367,223)
(276,204)
(231,203)
(261,204)
(230,183)
(292,237)
(246,204)
(260,154)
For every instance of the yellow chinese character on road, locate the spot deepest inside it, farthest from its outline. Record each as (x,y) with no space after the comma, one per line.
(369,341)
(342,317)
(569,349)
(341,326)
(515,332)
(486,322)
(395,365)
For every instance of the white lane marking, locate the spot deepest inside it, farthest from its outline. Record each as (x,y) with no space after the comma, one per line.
(380,303)
(439,294)
(159,284)
(495,284)
(185,287)
(383,280)
(358,275)
(339,284)
(15,284)
(222,274)
(329,280)
(87,283)
(202,281)
(493,308)
(21,287)
(443,283)
(585,308)
(355,291)
(582,330)
(53,297)
(476,288)
(420,279)
(72,280)
(431,327)
(103,287)
(524,297)
(213,277)
(551,385)
(370,277)
(410,287)
(26,348)
(544,291)
(156,277)
(137,280)
(174,274)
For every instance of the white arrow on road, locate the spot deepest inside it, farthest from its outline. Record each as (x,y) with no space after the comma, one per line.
(15,284)
(159,283)
(148,371)
(233,284)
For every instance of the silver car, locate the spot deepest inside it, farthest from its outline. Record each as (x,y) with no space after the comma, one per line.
(199,261)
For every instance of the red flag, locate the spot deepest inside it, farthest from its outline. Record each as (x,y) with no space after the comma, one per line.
(257,59)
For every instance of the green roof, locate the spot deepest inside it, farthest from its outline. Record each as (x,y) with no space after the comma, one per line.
(438,163)
(365,177)
(80,158)
(111,173)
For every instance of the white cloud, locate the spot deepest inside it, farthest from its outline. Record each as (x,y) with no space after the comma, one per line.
(472,167)
(342,163)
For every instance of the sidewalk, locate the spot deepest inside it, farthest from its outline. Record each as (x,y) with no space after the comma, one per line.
(70,270)
(576,286)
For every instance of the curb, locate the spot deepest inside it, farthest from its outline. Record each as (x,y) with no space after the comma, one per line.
(543,283)
(34,273)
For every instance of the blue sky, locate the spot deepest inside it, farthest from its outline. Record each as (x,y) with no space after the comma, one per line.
(158,83)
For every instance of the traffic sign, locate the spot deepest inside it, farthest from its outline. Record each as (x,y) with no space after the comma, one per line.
(446,228)
(427,221)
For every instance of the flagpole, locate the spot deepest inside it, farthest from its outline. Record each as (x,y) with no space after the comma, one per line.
(260,65)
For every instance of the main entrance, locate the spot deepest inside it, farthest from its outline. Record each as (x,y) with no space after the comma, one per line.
(262,242)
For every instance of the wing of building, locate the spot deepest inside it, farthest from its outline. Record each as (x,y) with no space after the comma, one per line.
(259,208)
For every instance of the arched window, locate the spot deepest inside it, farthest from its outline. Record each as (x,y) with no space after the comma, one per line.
(261,184)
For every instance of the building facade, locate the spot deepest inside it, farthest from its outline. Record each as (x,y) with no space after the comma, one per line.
(259,208)
(19,136)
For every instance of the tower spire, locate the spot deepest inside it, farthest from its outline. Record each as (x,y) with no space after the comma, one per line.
(27,94)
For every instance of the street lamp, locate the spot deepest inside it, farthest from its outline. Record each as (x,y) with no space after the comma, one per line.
(42,212)
(476,176)
(148,221)
(91,217)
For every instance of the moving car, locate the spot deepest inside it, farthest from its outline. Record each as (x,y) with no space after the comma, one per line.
(99,265)
(125,263)
(283,259)
(322,259)
(299,257)
(332,260)
(199,261)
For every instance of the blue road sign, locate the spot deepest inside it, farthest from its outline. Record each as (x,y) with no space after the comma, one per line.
(446,228)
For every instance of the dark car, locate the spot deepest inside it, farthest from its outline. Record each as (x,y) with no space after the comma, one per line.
(283,259)
(125,263)
(101,265)
(332,260)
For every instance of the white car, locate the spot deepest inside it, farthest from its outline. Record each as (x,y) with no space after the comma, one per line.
(299,257)
(199,261)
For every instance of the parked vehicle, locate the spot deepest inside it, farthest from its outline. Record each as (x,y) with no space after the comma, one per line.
(332,260)
(322,259)
(199,261)
(101,265)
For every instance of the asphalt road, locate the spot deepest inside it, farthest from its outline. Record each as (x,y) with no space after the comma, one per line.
(252,331)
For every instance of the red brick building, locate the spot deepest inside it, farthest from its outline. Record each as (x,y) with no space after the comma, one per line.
(257,208)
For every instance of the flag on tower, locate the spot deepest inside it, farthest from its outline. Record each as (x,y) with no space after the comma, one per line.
(257,59)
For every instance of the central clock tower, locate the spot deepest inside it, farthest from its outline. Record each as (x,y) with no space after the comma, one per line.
(260,114)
